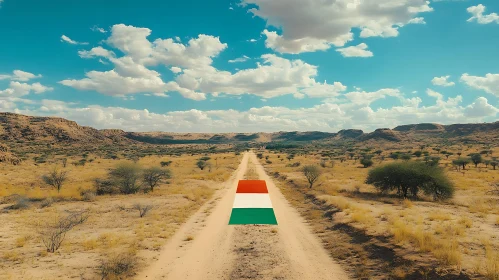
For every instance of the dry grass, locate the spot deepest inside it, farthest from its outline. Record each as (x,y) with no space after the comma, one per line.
(113,224)
(444,230)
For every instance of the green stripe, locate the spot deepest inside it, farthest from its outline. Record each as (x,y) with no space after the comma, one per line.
(249,216)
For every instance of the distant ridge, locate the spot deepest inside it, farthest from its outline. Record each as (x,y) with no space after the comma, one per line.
(21,128)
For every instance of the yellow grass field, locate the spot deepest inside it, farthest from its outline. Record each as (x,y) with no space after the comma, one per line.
(114,226)
(461,234)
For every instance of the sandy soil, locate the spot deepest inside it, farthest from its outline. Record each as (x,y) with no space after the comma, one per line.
(208,248)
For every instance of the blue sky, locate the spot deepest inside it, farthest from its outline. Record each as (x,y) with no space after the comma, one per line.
(251,65)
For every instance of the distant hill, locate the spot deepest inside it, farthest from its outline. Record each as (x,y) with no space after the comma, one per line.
(24,129)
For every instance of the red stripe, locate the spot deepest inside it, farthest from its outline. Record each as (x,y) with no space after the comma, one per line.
(252,186)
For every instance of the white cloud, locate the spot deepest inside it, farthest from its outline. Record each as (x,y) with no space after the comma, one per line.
(477,14)
(434,94)
(176,70)
(418,20)
(96,52)
(324,117)
(68,40)
(489,83)
(480,108)
(356,51)
(19,75)
(442,81)
(17,89)
(318,24)
(196,77)
(239,59)
(252,40)
(98,29)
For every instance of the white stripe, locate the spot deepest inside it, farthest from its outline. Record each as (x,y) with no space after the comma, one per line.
(252,200)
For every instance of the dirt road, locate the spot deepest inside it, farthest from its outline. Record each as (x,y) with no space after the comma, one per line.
(219,251)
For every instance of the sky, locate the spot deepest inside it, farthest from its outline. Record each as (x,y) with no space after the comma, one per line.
(251,65)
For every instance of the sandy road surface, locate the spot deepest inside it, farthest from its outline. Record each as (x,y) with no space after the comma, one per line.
(219,251)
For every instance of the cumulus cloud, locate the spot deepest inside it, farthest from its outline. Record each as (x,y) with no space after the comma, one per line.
(318,24)
(477,14)
(239,59)
(356,51)
(434,94)
(273,75)
(480,108)
(17,89)
(442,81)
(19,75)
(68,40)
(489,83)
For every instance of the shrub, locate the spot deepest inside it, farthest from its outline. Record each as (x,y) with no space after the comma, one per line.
(88,195)
(259,155)
(53,234)
(154,175)
(55,179)
(105,186)
(312,173)
(125,176)
(205,158)
(201,164)
(143,208)
(47,202)
(21,202)
(494,164)
(120,266)
(366,162)
(165,163)
(411,177)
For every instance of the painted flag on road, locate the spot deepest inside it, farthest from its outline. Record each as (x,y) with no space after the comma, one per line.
(252,204)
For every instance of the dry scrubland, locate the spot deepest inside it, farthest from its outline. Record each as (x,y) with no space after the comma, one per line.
(380,236)
(114,239)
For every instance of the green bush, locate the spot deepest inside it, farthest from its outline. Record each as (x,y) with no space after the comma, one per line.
(411,177)
(126,176)
(366,162)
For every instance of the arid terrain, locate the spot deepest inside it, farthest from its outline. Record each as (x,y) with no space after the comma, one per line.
(77,202)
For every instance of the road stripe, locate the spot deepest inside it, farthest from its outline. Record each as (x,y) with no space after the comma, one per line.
(245,216)
(252,200)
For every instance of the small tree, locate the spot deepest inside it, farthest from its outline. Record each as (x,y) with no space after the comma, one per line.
(205,158)
(53,233)
(461,162)
(290,157)
(312,173)
(154,175)
(418,153)
(259,155)
(494,164)
(126,177)
(55,179)
(366,162)
(476,159)
(201,164)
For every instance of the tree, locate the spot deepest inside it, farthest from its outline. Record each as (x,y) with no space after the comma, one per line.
(405,156)
(476,159)
(448,154)
(411,177)
(418,153)
(290,157)
(494,164)
(154,175)
(55,179)
(312,173)
(378,152)
(461,162)
(126,176)
(259,155)
(366,162)
(201,164)
(205,158)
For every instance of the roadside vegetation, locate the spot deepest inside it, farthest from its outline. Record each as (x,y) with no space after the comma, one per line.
(428,211)
(113,209)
